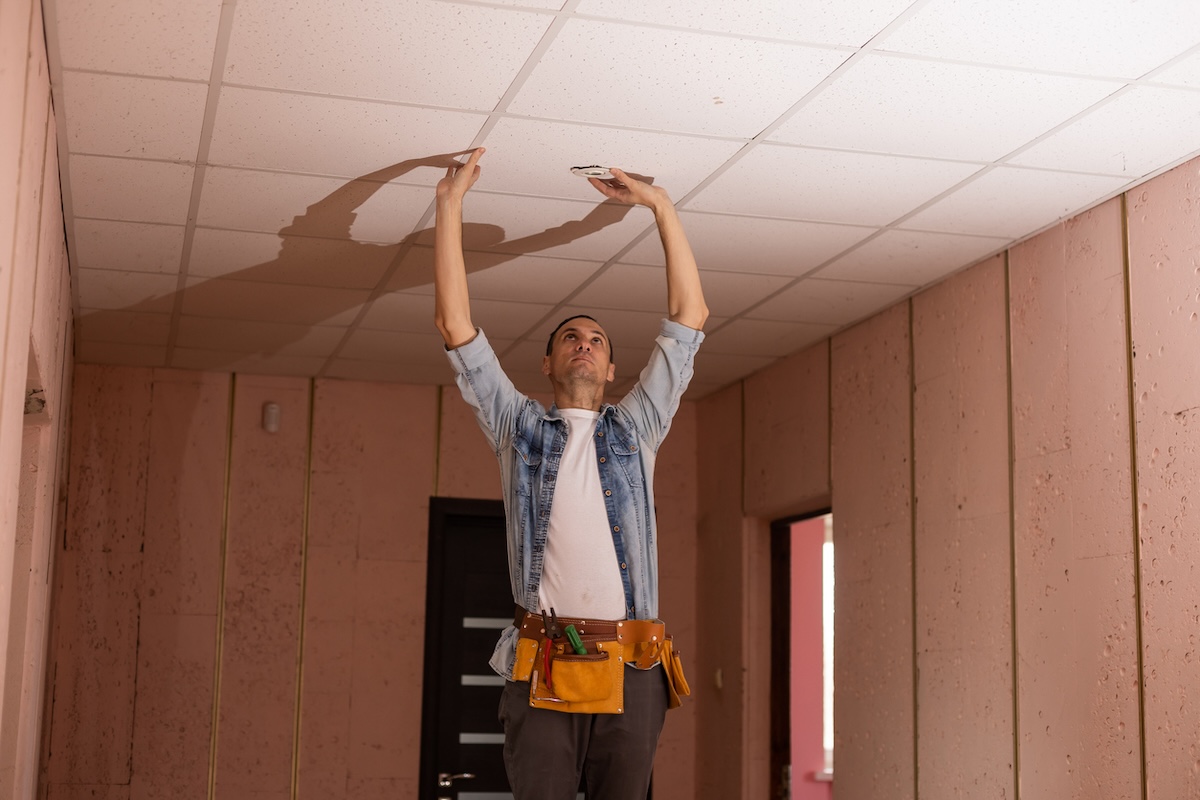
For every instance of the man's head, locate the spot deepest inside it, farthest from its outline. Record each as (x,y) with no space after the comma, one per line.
(579,352)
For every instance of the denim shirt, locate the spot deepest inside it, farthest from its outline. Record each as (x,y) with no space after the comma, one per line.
(529,440)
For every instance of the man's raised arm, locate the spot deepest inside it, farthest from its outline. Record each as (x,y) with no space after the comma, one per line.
(452,303)
(685,296)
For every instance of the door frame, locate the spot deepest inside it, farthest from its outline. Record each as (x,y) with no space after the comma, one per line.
(440,509)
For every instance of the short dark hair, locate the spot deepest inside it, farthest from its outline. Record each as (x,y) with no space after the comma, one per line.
(557,328)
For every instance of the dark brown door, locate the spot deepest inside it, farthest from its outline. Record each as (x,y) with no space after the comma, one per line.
(468,603)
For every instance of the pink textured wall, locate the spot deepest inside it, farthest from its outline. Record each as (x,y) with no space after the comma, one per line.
(717,678)
(787,435)
(871,470)
(1164,266)
(1076,620)
(34,327)
(962,550)
(990,609)
(234,606)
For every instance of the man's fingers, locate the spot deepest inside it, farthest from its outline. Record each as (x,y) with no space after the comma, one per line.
(474,159)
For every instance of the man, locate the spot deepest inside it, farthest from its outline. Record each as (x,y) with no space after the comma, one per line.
(579,502)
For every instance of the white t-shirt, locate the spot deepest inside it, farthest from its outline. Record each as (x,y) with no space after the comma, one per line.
(580,575)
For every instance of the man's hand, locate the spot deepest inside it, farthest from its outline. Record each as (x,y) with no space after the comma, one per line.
(626,188)
(460,178)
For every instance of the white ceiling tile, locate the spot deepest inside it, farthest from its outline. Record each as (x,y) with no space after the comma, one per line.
(683,81)
(126,246)
(400,312)
(130,189)
(503,319)
(129,291)
(765,338)
(116,115)
(301,205)
(499,276)
(1185,73)
(641,288)
(827,185)
(535,157)
(1012,202)
(562,228)
(1132,135)
(830,302)
(624,286)
(417,348)
(271,302)
(166,38)
(305,260)
(721,369)
(910,257)
(1116,38)
(252,336)
(130,327)
(418,51)
(905,106)
(754,244)
(831,22)
(332,136)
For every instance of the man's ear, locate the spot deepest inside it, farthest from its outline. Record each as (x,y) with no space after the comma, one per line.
(612,372)
(546,365)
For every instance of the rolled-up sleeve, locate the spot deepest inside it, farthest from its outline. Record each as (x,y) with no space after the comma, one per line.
(486,388)
(654,400)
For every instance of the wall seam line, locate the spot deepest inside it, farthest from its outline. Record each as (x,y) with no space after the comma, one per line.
(304,532)
(912,533)
(1012,529)
(216,704)
(1133,486)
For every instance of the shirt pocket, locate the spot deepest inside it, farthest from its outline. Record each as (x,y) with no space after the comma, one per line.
(529,459)
(626,453)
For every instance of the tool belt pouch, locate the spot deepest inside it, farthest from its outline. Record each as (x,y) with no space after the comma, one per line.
(579,684)
(677,685)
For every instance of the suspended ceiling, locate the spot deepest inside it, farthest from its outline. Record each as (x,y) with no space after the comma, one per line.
(248,185)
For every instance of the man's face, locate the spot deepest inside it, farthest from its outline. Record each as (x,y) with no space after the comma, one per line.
(580,352)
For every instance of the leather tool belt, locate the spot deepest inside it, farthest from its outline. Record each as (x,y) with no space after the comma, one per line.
(592,682)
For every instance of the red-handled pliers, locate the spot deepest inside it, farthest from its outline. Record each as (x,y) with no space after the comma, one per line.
(553,633)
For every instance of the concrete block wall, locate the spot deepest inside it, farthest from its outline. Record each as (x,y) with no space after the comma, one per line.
(35,325)
(1012,469)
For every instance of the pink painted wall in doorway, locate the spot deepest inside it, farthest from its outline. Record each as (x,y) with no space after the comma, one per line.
(807,661)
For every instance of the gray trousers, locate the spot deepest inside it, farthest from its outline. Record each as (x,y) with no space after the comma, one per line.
(546,752)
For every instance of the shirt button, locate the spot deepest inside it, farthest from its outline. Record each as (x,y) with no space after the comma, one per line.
(602,459)
(607,493)
(623,565)
(600,434)
(617,528)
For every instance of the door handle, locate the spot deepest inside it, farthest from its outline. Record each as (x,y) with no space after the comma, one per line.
(445,779)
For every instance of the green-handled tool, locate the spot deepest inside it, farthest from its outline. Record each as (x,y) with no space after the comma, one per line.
(576,642)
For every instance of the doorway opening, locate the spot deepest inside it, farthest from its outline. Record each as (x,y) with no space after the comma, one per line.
(802,657)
